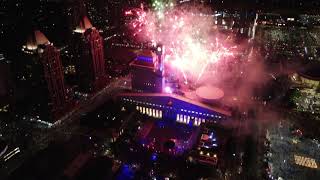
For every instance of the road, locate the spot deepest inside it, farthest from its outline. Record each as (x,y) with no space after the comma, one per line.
(96,100)
(65,124)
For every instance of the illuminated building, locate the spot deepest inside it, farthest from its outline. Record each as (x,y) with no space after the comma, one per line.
(147,72)
(155,100)
(174,107)
(47,65)
(207,148)
(90,56)
(305,161)
(178,122)
(53,74)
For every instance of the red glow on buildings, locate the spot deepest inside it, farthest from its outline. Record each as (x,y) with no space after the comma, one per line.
(91,66)
(54,77)
(95,43)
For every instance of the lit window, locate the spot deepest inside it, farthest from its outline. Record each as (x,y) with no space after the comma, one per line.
(195,122)
(154,113)
(305,161)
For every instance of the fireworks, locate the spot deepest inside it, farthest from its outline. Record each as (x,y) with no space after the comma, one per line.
(192,46)
(162,5)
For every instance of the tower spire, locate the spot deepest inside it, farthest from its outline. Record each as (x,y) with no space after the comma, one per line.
(83,25)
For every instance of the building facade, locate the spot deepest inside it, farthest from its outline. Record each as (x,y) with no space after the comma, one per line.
(53,74)
(45,68)
(147,72)
(173,107)
(90,54)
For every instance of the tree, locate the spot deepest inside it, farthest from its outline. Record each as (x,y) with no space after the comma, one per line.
(291,97)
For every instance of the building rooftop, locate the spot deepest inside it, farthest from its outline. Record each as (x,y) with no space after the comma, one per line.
(145,58)
(35,39)
(181,98)
(84,24)
(209,93)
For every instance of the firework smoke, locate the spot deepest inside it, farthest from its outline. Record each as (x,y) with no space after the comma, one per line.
(196,49)
(192,45)
(202,55)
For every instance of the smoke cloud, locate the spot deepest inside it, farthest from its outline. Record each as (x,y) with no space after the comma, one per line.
(201,54)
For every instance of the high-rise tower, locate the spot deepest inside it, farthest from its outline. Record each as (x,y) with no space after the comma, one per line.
(90,57)
(54,77)
(147,71)
(47,69)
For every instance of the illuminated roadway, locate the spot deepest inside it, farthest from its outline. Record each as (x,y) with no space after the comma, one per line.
(65,124)
(96,100)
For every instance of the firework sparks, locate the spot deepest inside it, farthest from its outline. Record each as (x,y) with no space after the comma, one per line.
(162,5)
(192,47)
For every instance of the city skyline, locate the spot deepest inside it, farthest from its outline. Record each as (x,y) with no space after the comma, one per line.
(159,89)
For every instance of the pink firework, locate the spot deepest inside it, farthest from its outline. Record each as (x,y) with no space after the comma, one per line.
(192,44)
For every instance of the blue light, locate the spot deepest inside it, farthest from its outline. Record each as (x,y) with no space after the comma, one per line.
(145,59)
(126,173)
(154,157)
(161,124)
(190,124)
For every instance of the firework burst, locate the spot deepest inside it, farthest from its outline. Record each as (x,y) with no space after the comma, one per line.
(192,45)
